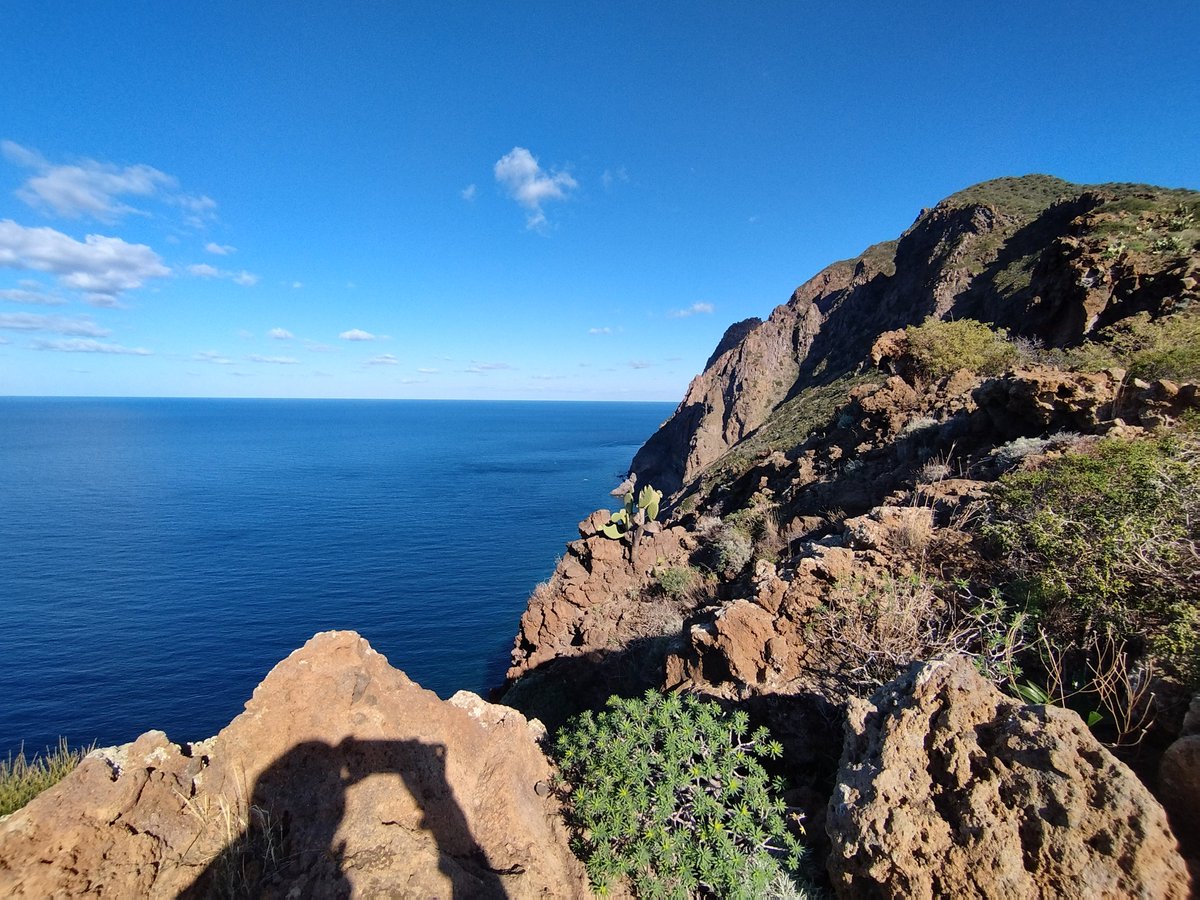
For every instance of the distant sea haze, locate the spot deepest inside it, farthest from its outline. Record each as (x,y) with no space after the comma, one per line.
(157,557)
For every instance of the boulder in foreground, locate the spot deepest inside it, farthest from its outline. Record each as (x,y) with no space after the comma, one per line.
(947,788)
(342,777)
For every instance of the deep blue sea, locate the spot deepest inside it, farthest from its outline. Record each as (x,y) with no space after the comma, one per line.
(158,557)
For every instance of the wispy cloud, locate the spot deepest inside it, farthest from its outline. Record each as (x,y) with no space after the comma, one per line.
(640,364)
(695,309)
(100,267)
(612,176)
(429,371)
(31,295)
(276,360)
(89,345)
(478,368)
(69,325)
(92,189)
(468,193)
(204,270)
(212,356)
(604,330)
(531,186)
(383,359)
(280,334)
(356,334)
(219,249)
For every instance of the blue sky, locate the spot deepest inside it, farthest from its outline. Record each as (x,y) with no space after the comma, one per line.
(532,200)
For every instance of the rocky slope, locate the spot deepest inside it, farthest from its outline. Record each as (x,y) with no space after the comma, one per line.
(1042,257)
(828,529)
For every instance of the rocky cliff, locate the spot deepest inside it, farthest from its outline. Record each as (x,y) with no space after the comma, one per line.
(839,472)
(1049,260)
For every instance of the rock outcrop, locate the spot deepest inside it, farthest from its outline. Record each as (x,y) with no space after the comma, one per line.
(597,597)
(948,788)
(342,777)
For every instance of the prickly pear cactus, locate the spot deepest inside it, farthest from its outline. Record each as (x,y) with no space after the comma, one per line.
(636,512)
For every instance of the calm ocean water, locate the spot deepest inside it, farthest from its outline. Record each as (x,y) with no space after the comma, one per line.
(157,557)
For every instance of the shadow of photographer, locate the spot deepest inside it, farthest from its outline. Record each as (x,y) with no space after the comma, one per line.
(294,840)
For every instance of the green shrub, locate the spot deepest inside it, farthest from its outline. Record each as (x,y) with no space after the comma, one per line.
(23,779)
(668,791)
(675,581)
(1106,541)
(940,348)
(732,550)
(1166,347)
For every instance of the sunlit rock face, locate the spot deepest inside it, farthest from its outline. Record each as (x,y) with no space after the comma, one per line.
(342,777)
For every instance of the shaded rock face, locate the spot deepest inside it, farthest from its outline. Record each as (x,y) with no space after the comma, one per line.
(948,788)
(342,777)
(1179,783)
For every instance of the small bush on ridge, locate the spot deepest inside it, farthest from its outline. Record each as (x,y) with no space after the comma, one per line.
(940,348)
(668,791)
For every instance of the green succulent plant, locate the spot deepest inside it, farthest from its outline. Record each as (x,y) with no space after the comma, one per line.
(634,514)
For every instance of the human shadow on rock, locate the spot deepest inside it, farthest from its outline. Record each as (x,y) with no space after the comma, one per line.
(291,844)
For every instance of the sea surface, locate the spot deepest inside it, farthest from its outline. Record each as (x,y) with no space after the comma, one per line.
(158,557)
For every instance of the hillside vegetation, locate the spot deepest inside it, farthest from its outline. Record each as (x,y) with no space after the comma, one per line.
(979,440)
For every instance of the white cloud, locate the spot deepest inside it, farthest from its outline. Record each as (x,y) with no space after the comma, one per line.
(478,368)
(468,193)
(296,285)
(31,295)
(277,360)
(356,334)
(384,359)
(612,176)
(280,334)
(204,270)
(518,173)
(694,309)
(605,330)
(88,345)
(429,371)
(640,364)
(101,267)
(88,188)
(103,301)
(78,325)
(212,356)
(219,249)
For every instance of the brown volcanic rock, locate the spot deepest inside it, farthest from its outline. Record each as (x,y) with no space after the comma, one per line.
(737,389)
(1179,782)
(342,777)
(599,595)
(948,788)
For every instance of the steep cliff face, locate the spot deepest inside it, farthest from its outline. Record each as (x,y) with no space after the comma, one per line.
(1044,258)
